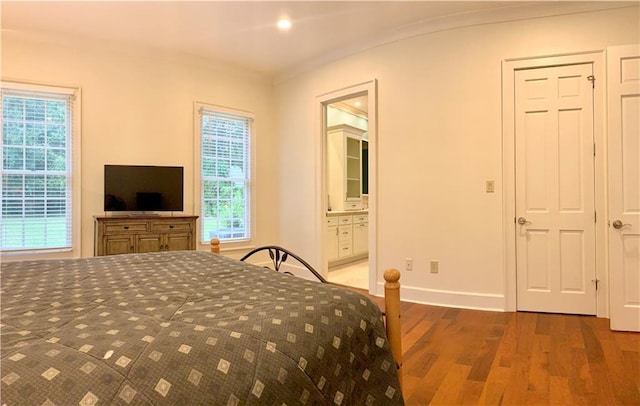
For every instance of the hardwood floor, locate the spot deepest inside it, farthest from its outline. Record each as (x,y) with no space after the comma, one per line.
(469,357)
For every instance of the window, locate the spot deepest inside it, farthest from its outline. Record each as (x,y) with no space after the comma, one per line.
(37,196)
(225,174)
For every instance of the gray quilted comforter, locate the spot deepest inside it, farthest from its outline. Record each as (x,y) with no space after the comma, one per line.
(186,328)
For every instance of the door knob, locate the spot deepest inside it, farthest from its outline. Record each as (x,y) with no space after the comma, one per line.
(522,221)
(618,224)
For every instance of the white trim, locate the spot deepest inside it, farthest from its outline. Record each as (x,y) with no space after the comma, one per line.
(77,173)
(451,298)
(370,88)
(511,11)
(223,110)
(229,245)
(76,170)
(296,270)
(509,66)
(39,87)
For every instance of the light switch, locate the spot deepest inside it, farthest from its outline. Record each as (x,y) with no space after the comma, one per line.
(490,186)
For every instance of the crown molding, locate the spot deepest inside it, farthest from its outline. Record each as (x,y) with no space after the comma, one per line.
(512,11)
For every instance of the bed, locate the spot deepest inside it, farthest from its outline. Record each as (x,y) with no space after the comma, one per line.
(186,328)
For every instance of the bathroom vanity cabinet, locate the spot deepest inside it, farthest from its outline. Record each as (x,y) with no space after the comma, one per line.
(347,237)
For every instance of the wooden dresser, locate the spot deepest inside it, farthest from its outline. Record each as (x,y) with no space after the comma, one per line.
(125,234)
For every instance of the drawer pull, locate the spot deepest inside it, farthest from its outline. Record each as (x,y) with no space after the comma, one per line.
(171,226)
(126,227)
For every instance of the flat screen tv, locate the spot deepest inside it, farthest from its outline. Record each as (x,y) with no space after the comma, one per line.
(139,188)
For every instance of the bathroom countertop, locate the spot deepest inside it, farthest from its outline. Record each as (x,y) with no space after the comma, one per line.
(347,212)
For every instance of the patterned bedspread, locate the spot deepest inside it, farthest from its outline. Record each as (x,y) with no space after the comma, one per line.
(186,328)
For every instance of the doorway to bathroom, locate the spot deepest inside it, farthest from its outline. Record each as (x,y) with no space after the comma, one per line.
(348,186)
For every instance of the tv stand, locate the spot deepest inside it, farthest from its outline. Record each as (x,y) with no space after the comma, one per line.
(126,234)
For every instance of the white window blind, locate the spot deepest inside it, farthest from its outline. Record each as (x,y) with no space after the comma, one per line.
(36,170)
(225,175)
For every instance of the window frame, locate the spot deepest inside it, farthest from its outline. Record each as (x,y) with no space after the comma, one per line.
(75,95)
(232,244)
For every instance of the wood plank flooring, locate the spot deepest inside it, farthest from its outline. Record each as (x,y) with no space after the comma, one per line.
(469,357)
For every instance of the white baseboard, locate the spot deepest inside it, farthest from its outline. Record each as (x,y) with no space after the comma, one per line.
(295,269)
(432,297)
(448,298)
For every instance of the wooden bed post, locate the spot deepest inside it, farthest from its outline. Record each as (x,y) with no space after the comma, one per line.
(392,312)
(215,245)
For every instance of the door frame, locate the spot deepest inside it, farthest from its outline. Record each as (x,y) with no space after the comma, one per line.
(370,87)
(509,66)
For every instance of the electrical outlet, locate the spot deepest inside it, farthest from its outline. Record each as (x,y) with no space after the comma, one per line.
(490,186)
(434,266)
(408,264)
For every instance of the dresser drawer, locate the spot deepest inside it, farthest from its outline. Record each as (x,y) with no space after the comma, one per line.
(353,205)
(344,233)
(118,228)
(360,226)
(164,226)
(332,221)
(346,249)
(361,218)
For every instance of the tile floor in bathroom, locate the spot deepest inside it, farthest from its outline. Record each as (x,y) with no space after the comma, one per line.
(355,274)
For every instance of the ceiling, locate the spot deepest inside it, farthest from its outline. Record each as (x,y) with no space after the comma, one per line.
(243,34)
(358,106)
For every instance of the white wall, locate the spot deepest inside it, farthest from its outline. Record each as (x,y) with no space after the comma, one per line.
(439,140)
(137,108)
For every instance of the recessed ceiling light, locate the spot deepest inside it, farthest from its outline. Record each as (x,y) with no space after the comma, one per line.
(358,104)
(284,23)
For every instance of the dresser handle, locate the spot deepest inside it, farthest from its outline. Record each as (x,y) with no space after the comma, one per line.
(171,226)
(126,227)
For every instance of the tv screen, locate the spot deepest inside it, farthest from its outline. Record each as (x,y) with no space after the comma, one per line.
(143,188)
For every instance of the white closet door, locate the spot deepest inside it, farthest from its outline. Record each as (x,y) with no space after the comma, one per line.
(623,69)
(555,204)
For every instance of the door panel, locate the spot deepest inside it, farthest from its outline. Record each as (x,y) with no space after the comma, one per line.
(570,165)
(148,243)
(572,267)
(623,65)
(117,244)
(555,239)
(537,249)
(178,241)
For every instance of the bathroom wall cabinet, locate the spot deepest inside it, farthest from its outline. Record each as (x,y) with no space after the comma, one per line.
(344,167)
